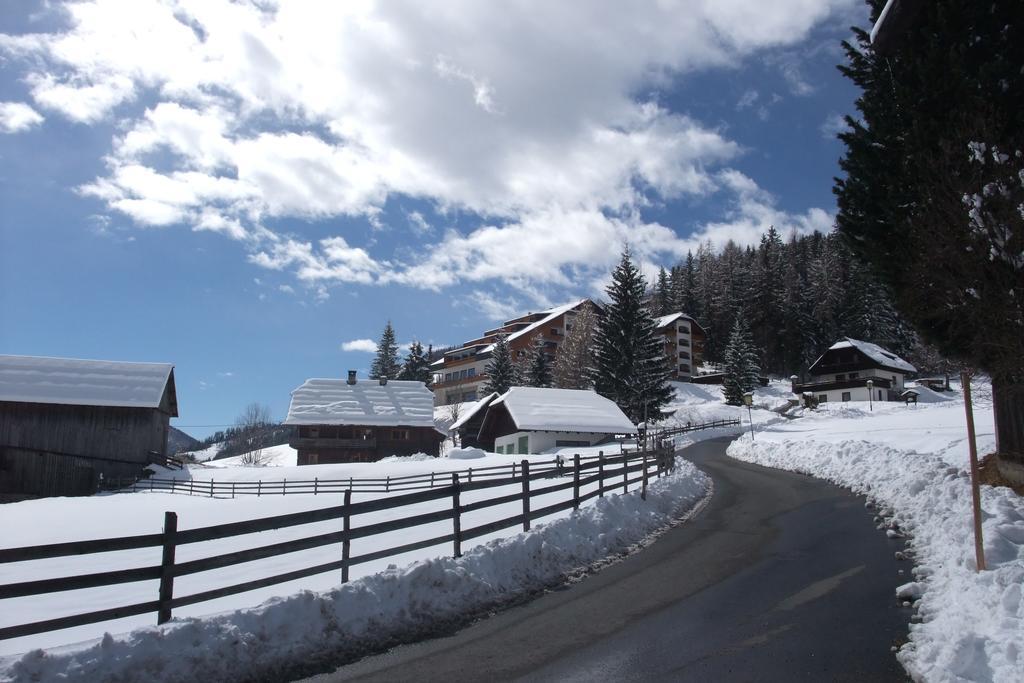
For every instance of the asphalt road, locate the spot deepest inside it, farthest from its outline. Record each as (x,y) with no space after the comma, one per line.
(780,578)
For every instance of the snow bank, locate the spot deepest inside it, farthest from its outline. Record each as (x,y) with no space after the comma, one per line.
(972,623)
(399,603)
(466,453)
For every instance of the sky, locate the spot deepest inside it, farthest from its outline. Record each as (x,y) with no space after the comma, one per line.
(250,190)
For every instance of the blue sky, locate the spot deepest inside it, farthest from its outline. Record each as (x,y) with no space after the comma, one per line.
(241,189)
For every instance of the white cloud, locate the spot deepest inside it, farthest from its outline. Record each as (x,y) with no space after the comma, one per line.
(520,117)
(494,306)
(362,345)
(833,125)
(418,223)
(18,116)
(747,99)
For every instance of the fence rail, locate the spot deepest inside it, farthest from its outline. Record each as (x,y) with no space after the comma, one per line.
(609,473)
(414,482)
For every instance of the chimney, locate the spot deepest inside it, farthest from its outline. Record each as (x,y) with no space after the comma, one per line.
(351,376)
(383,381)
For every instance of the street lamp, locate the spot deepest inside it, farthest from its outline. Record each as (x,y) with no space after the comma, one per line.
(871,404)
(748,398)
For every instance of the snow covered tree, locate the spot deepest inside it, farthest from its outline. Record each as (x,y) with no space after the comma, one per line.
(538,365)
(630,366)
(416,366)
(574,361)
(933,193)
(742,371)
(662,294)
(385,363)
(502,373)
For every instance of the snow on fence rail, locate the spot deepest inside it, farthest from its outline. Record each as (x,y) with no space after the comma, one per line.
(607,476)
(413,482)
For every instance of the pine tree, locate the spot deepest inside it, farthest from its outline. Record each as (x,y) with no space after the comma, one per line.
(385,364)
(574,360)
(538,368)
(934,178)
(630,366)
(502,373)
(662,294)
(416,366)
(742,371)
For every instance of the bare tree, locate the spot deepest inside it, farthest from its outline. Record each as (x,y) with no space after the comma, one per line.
(251,425)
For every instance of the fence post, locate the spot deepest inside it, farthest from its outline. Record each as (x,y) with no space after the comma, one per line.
(211,488)
(173,482)
(387,484)
(600,474)
(431,479)
(471,475)
(151,483)
(576,482)
(513,470)
(526,495)
(625,472)
(259,487)
(232,490)
(163,614)
(346,544)
(456,515)
(643,489)
(284,486)
(190,485)
(316,484)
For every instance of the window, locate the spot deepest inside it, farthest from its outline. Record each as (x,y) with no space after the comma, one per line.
(447,377)
(854,375)
(554,331)
(312,458)
(684,354)
(840,378)
(879,394)
(500,450)
(684,342)
(524,444)
(684,330)
(399,434)
(846,396)
(471,372)
(683,367)
(469,396)
(822,398)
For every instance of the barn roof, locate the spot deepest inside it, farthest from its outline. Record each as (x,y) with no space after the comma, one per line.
(472,412)
(336,402)
(563,410)
(73,381)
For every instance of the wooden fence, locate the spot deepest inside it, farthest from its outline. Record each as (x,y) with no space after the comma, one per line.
(415,482)
(609,473)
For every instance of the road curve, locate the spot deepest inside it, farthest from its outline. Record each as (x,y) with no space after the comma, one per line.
(780,578)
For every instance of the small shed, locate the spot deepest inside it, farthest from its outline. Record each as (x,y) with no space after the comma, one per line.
(66,422)
(533,420)
(338,420)
(467,427)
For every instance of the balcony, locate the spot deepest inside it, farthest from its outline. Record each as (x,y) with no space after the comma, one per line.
(309,443)
(833,385)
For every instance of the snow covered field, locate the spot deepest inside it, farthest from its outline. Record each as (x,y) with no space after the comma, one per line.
(913,462)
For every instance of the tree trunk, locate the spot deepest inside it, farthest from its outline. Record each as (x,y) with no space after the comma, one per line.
(1008,406)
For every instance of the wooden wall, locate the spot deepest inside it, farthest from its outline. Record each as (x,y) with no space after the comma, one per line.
(46,449)
(421,440)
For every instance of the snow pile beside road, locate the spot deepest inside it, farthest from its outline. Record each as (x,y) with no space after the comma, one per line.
(973,623)
(317,629)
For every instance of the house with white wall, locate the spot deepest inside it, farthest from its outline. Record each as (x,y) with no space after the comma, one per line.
(844,371)
(534,420)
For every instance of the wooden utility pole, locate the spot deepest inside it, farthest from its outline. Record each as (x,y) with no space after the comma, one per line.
(979,546)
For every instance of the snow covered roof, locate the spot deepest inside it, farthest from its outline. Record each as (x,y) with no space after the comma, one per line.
(666,320)
(367,402)
(876,353)
(477,407)
(72,381)
(564,410)
(549,315)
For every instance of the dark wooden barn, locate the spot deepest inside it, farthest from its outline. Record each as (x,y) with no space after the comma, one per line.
(467,427)
(352,420)
(65,423)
